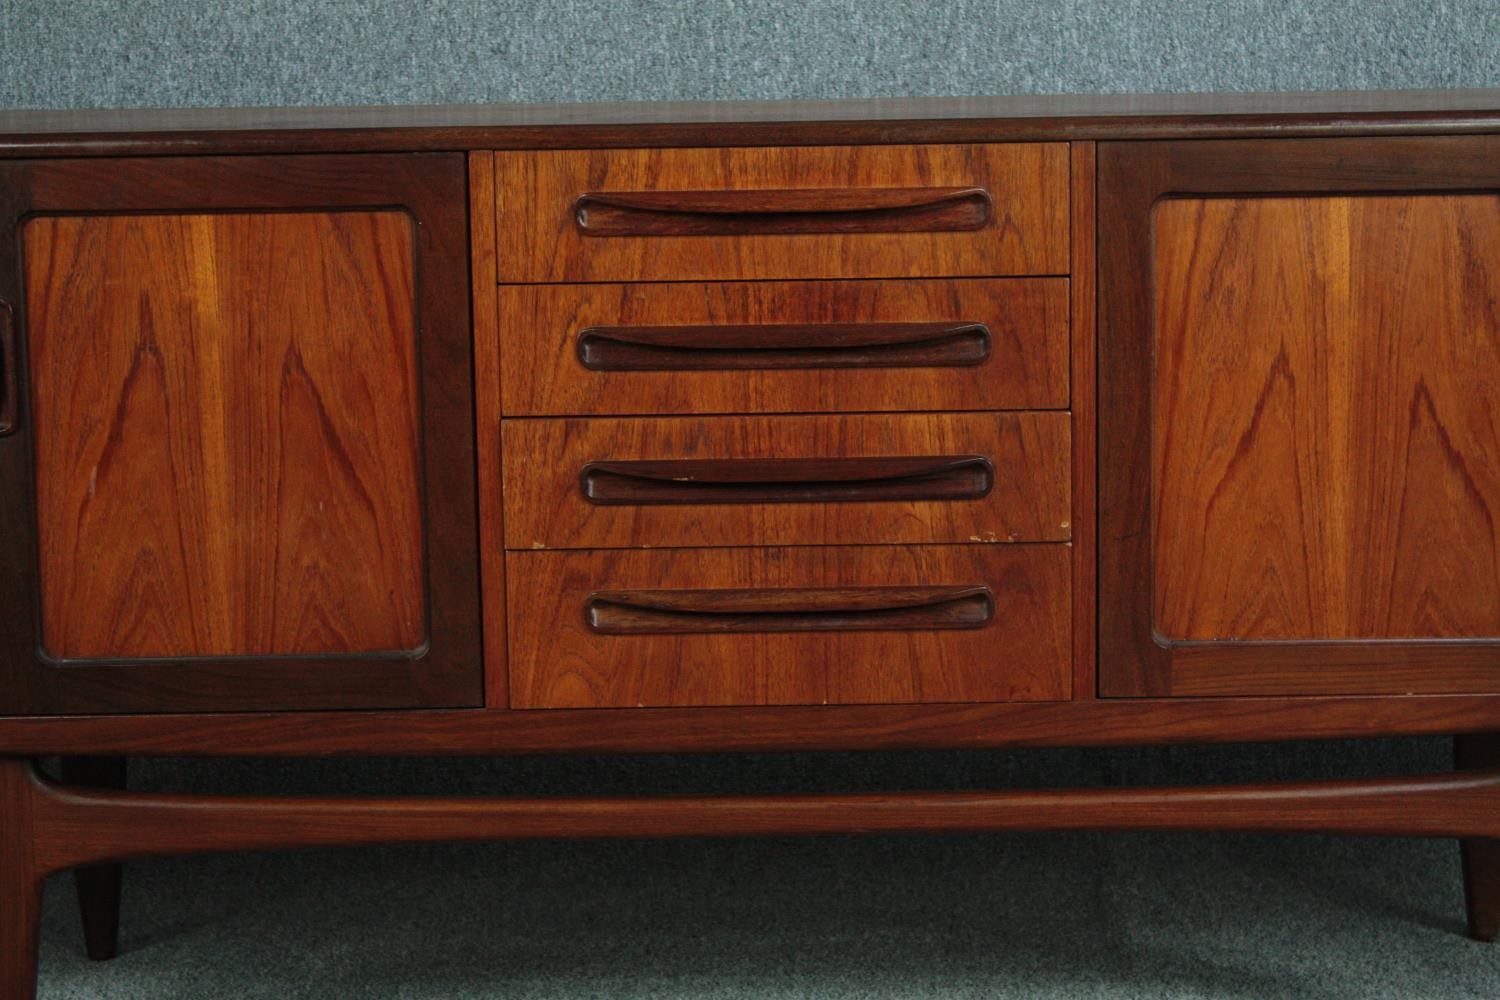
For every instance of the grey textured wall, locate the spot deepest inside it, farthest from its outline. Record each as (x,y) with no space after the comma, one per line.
(81,53)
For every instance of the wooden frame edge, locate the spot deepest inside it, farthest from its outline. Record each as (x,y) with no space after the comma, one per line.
(75,826)
(460,732)
(1133,177)
(1082,391)
(485,293)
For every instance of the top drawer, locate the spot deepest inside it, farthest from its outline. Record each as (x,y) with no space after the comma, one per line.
(783,212)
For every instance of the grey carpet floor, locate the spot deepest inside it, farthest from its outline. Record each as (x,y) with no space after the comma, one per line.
(1075,915)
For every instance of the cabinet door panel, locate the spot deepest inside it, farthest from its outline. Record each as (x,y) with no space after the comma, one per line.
(246,442)
(231,468)
(1325,460)
(1299,447)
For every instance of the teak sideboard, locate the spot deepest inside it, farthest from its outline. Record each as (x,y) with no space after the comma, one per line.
(897,424)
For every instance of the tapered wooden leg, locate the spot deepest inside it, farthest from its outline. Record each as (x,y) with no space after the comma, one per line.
(1481,858)
(20,882)
(98,885)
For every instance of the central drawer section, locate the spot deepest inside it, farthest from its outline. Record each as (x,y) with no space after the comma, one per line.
(784,426)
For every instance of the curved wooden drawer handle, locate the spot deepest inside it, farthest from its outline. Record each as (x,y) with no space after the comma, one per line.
(787,480)
(830,609)
(770,212)
(783,345)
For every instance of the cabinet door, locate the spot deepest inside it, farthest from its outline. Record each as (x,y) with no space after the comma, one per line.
(240,469)
(1299,414)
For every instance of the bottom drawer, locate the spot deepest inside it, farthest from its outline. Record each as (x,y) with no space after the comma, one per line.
(813,625)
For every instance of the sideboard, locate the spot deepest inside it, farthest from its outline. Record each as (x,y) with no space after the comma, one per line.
(951,423)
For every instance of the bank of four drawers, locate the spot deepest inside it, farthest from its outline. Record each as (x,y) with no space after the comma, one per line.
(785,425)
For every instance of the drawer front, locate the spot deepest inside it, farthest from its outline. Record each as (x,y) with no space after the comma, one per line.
(787,480)
(789,626)
(789,212)
(746,347)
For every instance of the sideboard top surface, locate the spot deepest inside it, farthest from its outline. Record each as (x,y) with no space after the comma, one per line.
(147,131)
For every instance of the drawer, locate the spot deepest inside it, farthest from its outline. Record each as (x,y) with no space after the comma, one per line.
(789,626)
(786,480)
(789,346)
(782,212)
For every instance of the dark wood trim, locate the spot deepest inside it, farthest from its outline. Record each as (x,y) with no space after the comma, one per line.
(787,480)
(20,880)
(1132,178)
(1480,855)
(98,886)
(484,288)
(788,609)
(751,729)
(763,212)
(1083,290)
(197,131)
(75,827)
(1332,667)
(9,378)
(47,828)
(431,187)
(748,347)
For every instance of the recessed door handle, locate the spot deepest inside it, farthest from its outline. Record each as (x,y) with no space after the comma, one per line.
(793,211)
(787,480)
(783,345)
(828,609)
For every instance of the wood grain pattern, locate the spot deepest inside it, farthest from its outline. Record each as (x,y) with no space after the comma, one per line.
(487,376)
(1102,722)
(1425,255)
(1327,465)
(545,507)
(1083,393)
(540,241)
(43,828)
(1021,653)
(430,189)
(233,468)
(1026,368)
(1398,667)
(635,124)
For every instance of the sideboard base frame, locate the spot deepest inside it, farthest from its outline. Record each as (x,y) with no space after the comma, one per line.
(47,827)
